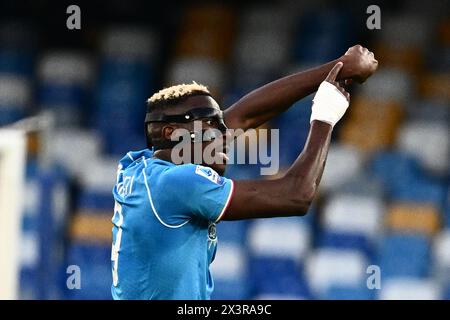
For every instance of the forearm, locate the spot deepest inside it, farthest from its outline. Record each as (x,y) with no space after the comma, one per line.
(268,101)
(290,195)
(306,172)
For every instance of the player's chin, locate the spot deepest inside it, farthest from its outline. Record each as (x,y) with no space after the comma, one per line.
(219,167)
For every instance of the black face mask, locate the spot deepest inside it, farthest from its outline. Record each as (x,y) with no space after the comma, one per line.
(191,115)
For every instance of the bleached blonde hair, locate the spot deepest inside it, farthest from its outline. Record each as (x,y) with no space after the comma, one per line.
(177,92)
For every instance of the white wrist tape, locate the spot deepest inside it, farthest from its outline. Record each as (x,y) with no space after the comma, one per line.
(329,104)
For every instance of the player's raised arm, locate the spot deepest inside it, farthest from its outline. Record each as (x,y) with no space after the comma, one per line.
(268,101)
(292,194)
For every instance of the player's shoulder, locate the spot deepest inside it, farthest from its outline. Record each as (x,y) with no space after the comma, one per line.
(189,174)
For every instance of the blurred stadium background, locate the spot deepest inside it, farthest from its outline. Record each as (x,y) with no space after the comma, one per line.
(384,197)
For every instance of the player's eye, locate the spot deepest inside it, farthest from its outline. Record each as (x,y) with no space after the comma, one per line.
(211,122)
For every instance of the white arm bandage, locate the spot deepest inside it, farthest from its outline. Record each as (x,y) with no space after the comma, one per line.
(329,104)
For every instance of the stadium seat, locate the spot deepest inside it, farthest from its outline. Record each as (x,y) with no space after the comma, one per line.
(363,185)
(204,71)
(408,58)
(371,124)
(410,289)
(65,78)
(418,190)
(277,276)
(15,98)
(436,85)
(16,61)
(328,267)
(392,168)
(319,29)
(293,141)
(419,111)
(413,218)
(96,191)
(19,47)
(404,255)
(84,144)
(232,231)
(349,293)
(94,263)
(279,237)
(130,43)
(347,163)
(388,85)
(206,31)
(441,257)
(229,270)
(348,213)
(345,241)
(414,138)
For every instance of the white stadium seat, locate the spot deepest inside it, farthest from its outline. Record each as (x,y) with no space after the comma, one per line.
(389,84)
(429,142)
(409,289)
(441,256)
(15,91)
(205,71)
(348,213)
(328,267)
(130,43)
(105,169)
(66,68)
(230,262)
(347,164)
(284,237)
(73,148)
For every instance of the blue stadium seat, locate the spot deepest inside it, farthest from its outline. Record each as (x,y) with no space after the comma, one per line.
(95,267)
(328,34)
(404,255)
(277,276)
(93,200)
(292,141)
(230,271)
(349,293)
(419,190)
(390,167)
(341,240)
(232,231)
(16,62)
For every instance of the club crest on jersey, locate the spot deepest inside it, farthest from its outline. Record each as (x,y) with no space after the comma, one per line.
(209,174)
(212,233)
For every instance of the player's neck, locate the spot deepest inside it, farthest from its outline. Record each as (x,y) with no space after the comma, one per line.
(164,154)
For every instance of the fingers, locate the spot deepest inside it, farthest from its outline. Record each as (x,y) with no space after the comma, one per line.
(343,91)
(332,75)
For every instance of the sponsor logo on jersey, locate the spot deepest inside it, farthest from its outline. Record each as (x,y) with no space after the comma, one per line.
(209,174)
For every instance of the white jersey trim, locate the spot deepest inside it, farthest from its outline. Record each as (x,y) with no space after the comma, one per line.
(153,207)
(225,207)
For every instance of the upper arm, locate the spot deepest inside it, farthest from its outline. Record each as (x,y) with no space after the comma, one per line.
(234,119)
(264,199)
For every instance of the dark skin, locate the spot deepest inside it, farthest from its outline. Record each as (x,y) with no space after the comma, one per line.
(292,194)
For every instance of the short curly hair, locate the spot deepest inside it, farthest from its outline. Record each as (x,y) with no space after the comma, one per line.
(175,94)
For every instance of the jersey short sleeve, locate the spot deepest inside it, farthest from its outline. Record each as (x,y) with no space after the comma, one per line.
(197,191)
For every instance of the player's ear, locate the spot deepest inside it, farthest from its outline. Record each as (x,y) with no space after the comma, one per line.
(167,131)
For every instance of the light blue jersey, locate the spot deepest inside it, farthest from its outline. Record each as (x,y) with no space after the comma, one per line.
(164,235)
